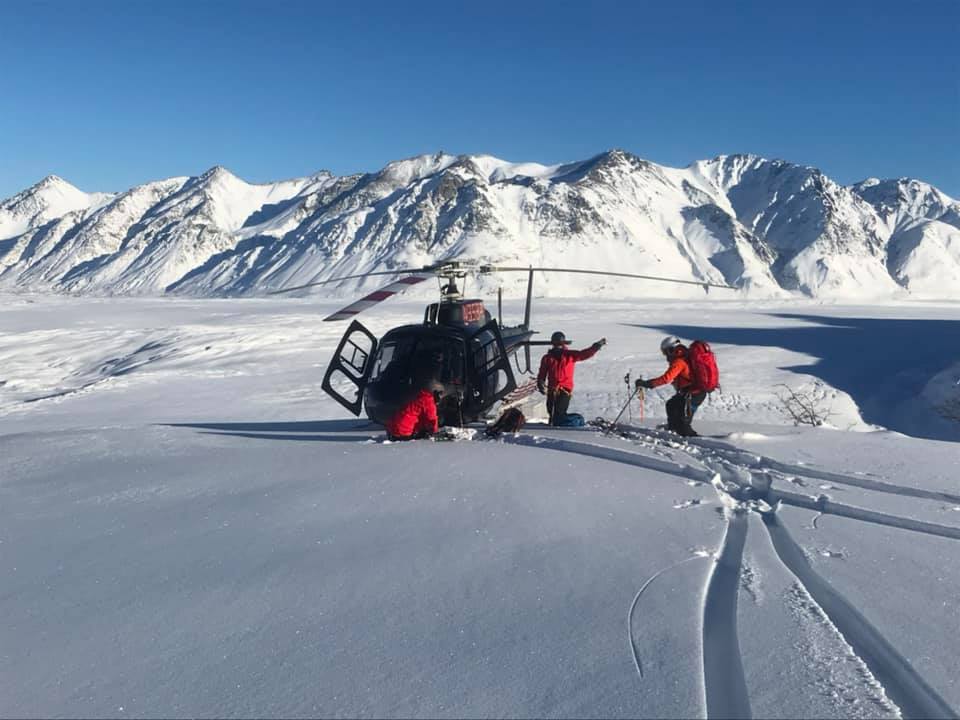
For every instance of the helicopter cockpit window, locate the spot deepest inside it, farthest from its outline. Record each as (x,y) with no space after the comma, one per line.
(394,357)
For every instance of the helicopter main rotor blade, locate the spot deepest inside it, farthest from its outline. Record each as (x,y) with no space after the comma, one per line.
(502,268)
(398,271)
(378,296)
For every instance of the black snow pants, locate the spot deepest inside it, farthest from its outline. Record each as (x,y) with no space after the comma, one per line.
(680,411)
(558,402)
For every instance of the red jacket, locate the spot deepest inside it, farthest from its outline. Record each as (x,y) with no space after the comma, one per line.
(678,373)
(417,416)
(556,367)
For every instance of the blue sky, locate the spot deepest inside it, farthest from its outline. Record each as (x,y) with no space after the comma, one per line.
(110,94)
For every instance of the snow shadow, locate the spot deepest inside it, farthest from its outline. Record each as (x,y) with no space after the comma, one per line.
(289,436)
(300,426)
(883,364)
(312,430)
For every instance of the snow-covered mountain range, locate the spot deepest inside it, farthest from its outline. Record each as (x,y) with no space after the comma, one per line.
(766,226)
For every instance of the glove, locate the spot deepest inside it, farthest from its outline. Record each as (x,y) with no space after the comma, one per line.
(600,343)
(646,384)
(541,388)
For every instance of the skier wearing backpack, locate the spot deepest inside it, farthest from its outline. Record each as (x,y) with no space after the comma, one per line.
(555,379)
(693,373)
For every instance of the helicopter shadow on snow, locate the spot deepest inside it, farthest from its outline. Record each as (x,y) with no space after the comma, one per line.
(879,362)
(304,430)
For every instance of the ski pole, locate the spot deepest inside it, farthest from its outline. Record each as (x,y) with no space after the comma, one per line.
(629,400)
(626,379)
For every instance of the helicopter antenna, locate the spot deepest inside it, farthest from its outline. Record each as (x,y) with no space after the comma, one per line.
(526,318)
(526,309)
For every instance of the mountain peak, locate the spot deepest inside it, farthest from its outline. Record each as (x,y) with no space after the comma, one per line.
(51,198)
(217,172)
(417,167)
(53,182)
(734,160)
(618,154)
(614,157)
(52,189)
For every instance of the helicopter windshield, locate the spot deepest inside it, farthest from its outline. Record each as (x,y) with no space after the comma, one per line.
(401,358)
(392,357)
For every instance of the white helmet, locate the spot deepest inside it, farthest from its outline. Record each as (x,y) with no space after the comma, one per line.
(669,343)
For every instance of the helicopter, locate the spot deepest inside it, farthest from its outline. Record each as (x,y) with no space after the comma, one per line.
(467,356)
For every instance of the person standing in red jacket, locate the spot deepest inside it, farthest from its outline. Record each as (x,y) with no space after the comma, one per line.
(416,419)
(682,406)
(555,378)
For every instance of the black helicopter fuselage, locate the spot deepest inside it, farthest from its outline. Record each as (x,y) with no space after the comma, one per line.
(458,350)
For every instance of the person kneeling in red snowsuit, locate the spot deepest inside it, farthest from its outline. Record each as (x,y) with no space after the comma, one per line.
(416,419)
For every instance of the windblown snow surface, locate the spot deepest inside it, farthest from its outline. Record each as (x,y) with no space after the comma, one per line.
(189,527)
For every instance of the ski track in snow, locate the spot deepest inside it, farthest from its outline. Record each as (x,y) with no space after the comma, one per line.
(743,481)
(840,673)
(905,687)
(757,474)
(752,485)
(637,663)
(723,678)
(752,461)
(902,684)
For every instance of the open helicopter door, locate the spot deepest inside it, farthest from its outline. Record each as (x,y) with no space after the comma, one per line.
(350,367)
(492,363)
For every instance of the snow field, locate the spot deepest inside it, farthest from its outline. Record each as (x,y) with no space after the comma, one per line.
(189,527)
(221,576)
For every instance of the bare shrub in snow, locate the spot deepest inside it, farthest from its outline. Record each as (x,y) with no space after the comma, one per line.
(805,406)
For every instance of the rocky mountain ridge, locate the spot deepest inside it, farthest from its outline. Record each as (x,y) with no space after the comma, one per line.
(767,227)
